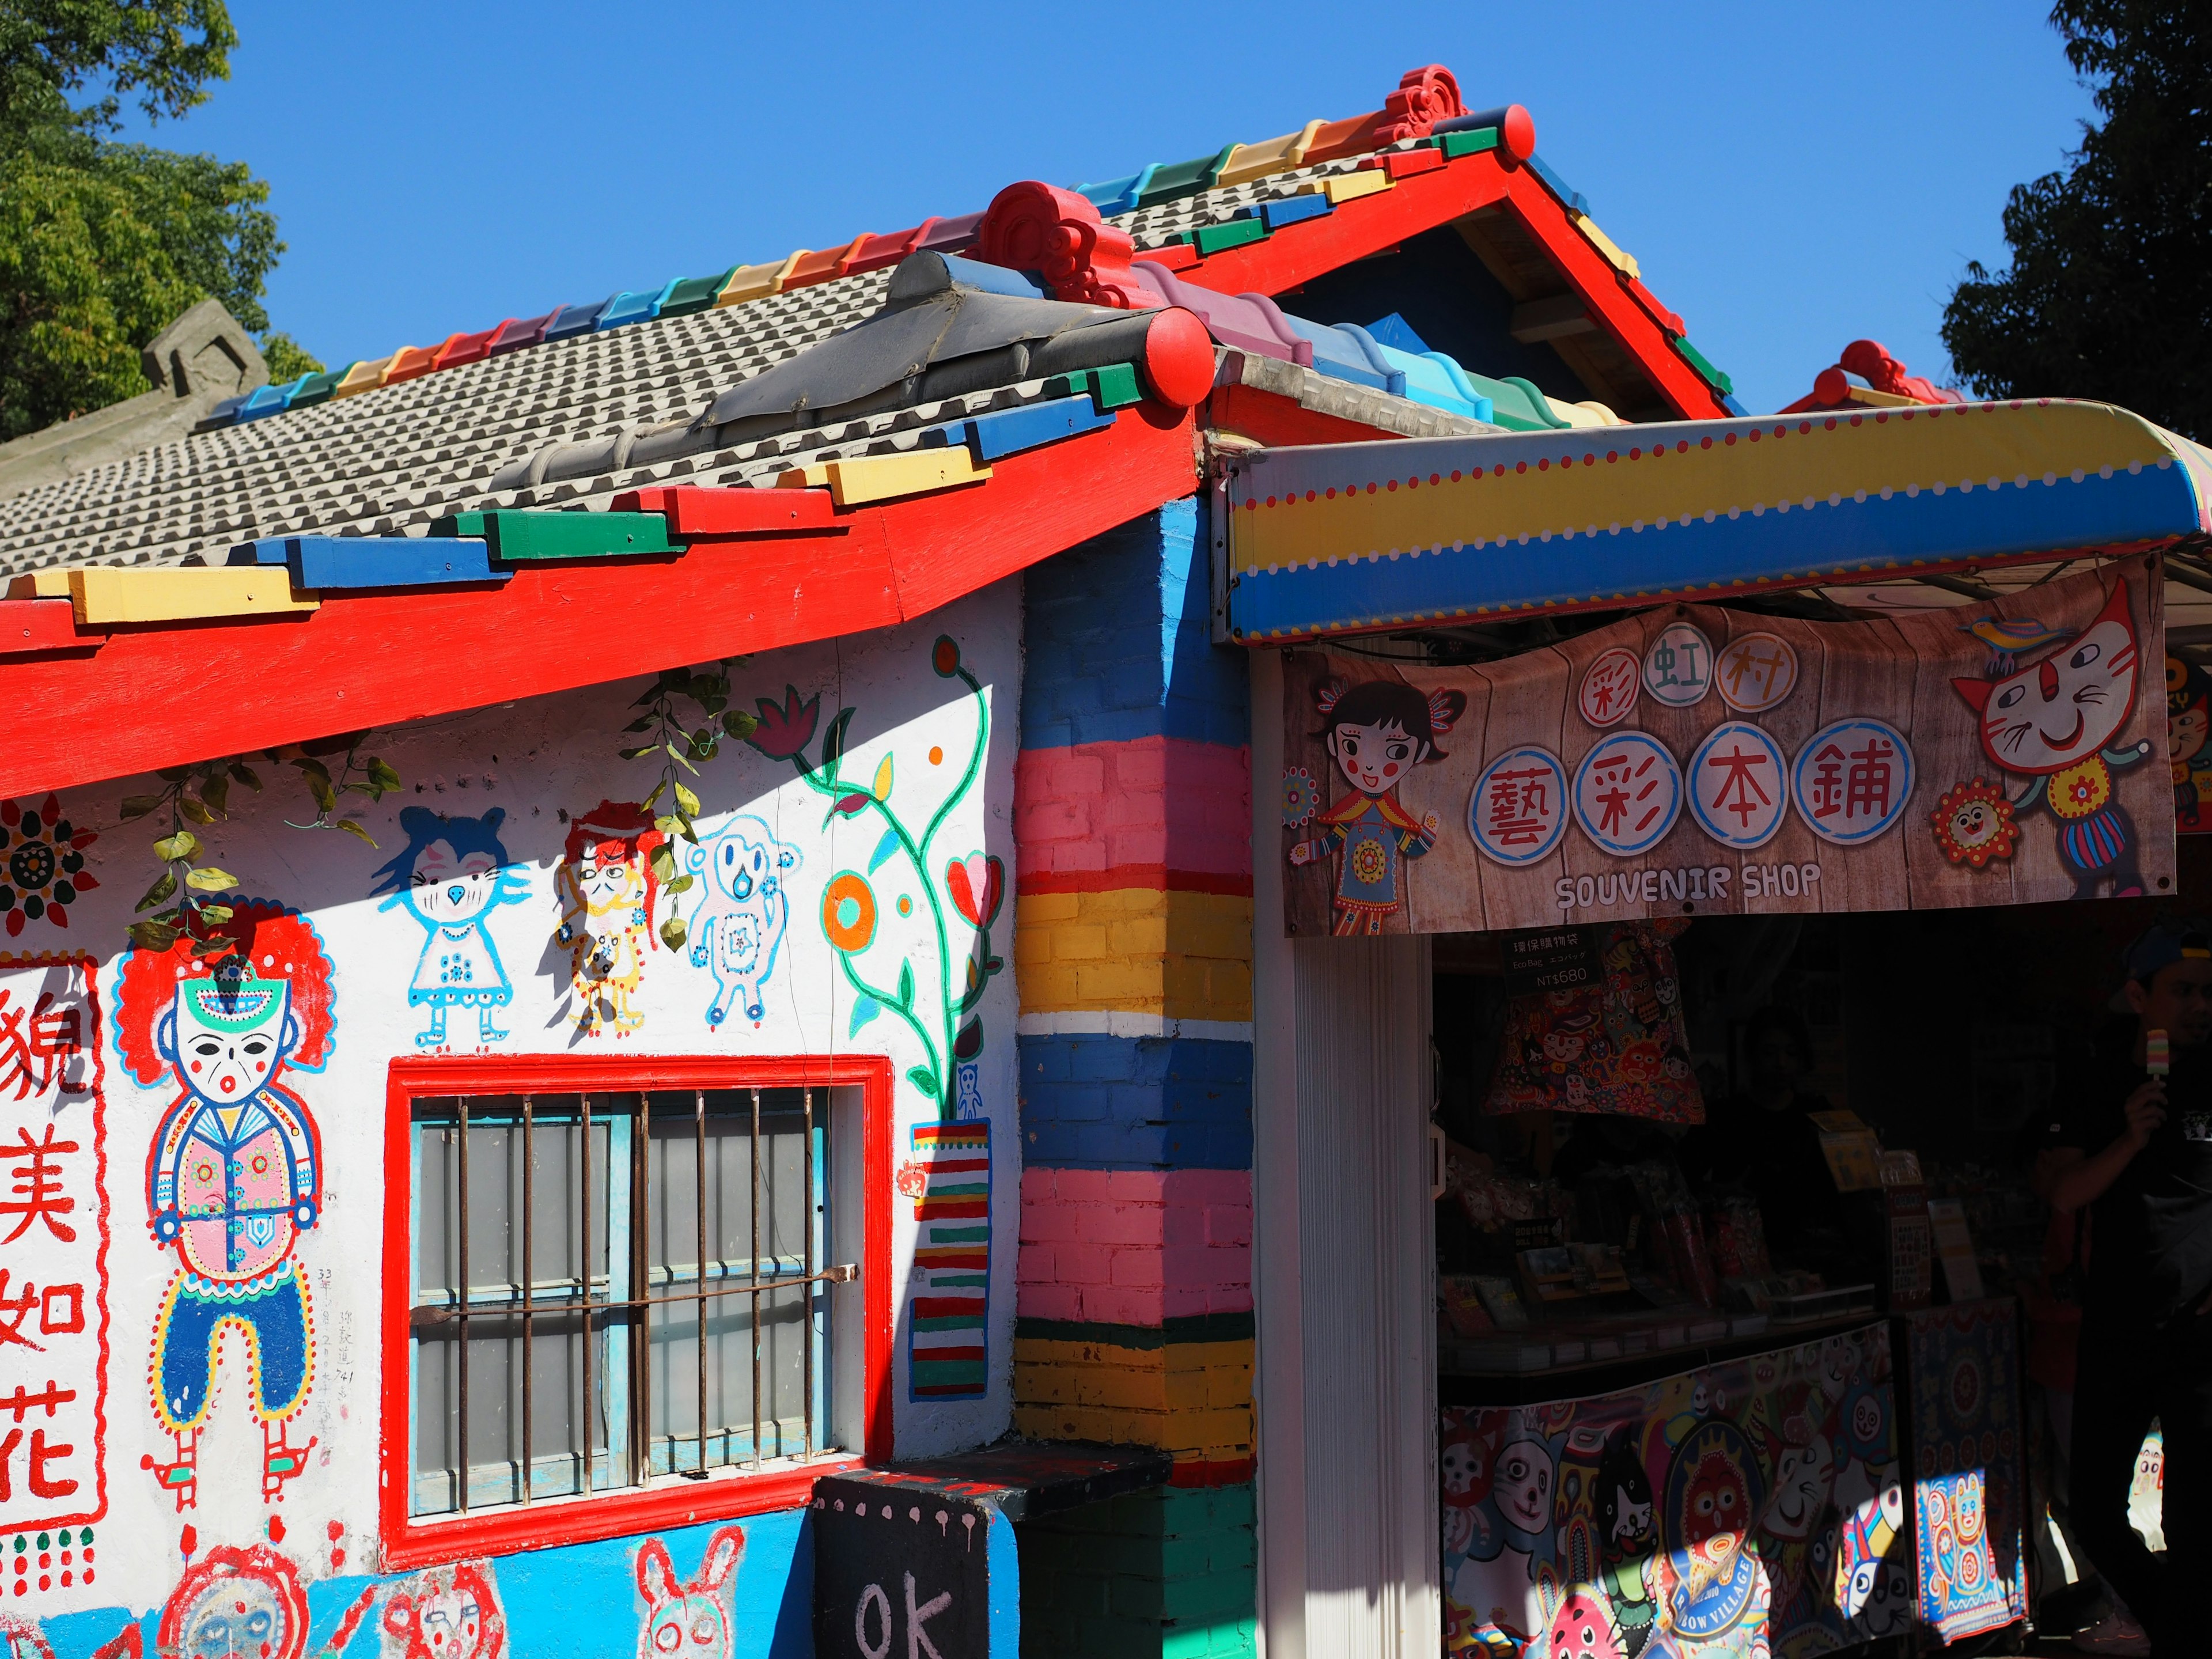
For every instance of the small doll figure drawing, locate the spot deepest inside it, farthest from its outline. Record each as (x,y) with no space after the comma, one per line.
(1377,731)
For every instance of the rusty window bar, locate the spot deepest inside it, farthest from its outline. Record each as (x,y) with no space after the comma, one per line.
(640,1253)
(461,1281)
(529,1286)
(698,1169)
(806,1296)
(584,1283)
(425,1317)
(755,1282)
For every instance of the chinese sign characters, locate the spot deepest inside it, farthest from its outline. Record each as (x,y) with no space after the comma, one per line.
(53,1245)
(1693,760)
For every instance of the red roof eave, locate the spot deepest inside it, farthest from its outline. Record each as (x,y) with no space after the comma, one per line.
(1422,202)
(169,694)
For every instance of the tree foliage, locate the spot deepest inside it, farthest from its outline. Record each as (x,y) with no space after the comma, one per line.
(103,245)
(2109,294)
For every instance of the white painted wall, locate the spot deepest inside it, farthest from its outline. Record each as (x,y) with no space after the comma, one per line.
(541,763)
(1344,1271)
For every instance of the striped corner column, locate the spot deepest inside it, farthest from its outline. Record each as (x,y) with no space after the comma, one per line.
(1134,949)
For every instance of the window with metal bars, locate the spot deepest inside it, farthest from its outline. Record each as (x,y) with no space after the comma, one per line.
(613,1286)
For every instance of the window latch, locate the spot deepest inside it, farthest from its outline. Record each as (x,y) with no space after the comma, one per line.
(844,1273)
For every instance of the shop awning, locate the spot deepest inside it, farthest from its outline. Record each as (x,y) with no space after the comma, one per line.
(1442,532)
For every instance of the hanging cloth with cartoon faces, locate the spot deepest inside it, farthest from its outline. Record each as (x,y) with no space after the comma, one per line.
(1617,1045)
(2052,722)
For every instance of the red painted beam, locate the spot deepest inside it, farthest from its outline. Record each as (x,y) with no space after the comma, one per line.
(1279,422)
(1297,253)
(381,658)
(31,625)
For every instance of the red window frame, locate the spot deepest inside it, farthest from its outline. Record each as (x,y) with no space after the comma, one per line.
(411,1542)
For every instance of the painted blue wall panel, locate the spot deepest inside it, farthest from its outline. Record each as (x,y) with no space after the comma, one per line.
(577,1602)
(1622,562)
(1093,1102)
(1119,640)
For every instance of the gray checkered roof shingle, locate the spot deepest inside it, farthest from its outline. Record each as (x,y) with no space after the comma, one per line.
(389,461)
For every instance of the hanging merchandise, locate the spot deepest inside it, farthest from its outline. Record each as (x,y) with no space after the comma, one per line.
(1616,1044)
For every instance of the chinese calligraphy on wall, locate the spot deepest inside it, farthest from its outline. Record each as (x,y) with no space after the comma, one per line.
(53,1245)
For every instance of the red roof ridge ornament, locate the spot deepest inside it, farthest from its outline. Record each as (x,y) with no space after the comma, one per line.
(1867,373)
(1424,96)
(1035,227)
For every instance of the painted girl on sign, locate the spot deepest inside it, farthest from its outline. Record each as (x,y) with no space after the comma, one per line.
(2051,722)
(1377,731)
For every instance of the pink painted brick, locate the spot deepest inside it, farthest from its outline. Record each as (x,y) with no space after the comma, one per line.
(1128,1307)
(1123,1223)
(1083,1264)
(1182,1302)
(1080,1186)
(1047,1301)
(1201,1265)
(1183,1226)
(1137,1270)
(1137,1186)
(1050,821)
(1051,1223)
(1033,1265)
(1209,1187)
(1224,1225)
(1037,1185)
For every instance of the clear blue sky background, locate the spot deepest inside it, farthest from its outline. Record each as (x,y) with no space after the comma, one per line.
(1790,176)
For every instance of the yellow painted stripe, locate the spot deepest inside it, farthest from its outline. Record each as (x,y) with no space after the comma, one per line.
(885,478)
(1885,450)
(1136,950)
(104,594)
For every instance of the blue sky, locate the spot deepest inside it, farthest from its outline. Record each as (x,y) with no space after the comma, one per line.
(1790,176)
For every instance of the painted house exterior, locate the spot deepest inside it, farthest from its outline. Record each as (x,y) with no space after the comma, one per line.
(446,1252)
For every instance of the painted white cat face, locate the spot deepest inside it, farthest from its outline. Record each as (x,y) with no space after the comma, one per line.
(2067,706)
(1802,1476)
(447,890)
(1525,1485)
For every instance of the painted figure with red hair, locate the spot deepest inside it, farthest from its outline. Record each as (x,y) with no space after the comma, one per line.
(608,890)
(233,1175)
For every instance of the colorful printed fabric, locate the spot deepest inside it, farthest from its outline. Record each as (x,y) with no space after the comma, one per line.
(1967,1494)
(1746,1509)
(1618,1045)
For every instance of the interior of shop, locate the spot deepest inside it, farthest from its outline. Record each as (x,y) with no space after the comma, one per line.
(1667,1145)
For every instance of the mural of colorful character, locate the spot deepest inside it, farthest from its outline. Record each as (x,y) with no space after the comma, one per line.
(236,1604)
(447,1613)
(691,1619)
(2051,722)
(452,874)
(608,893)
(743,906)
(1377,731)
(234,1174)
(2189,743)
(1628,1534)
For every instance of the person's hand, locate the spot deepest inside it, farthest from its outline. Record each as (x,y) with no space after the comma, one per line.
(2146,1110)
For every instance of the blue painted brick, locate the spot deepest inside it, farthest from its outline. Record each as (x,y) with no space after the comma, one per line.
(1292,209)
(1096,1101)
(1120,644)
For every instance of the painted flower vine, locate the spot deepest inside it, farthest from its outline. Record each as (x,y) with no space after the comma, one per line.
(942,1017)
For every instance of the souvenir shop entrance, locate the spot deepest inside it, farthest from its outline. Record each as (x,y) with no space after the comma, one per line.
(1650,1239)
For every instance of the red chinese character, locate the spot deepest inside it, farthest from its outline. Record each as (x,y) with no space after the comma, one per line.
(1520,807)
(38,1185)
(34,1043)
(61,1311)
(55,1396)
(14,1312)
(1737,764)
(34,1466)
(1867,785)
(1827,786)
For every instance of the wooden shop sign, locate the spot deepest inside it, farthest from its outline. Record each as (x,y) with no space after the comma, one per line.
(1693,760)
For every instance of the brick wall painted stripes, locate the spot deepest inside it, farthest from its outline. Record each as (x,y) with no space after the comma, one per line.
(1132,950)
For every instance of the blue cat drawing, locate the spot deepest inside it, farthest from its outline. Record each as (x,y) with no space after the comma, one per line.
(453,873)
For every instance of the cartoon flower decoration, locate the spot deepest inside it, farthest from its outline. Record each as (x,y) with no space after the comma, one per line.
(784,730)
(848,912)
(1369,863)
(977,884)
(2081,788)
(1301,798)
(41,863)
(1974,823)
